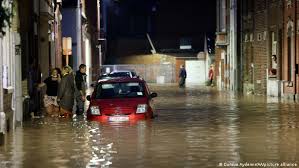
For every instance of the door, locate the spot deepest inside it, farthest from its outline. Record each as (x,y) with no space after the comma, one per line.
(196,72)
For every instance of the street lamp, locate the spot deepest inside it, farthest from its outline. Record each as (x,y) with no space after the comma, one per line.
(67,48)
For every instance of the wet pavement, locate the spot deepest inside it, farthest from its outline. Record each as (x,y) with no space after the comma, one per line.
(196,127)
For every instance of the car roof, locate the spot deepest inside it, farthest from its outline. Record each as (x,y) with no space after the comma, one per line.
(122,71)
(121,79)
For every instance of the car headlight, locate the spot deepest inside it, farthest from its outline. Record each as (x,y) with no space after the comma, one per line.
(95,110)
(141,108)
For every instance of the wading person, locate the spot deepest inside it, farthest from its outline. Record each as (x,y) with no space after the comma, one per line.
(34,79)
(66,92)
(81,89)
(211,75)
(182,76)
(50,98)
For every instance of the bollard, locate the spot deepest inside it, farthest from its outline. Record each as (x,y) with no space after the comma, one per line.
(2,127)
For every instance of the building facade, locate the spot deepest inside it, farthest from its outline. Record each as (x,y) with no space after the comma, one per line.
(290,60)
(261,46)
(227,57)
(72,27)
(269,47)
(10,73)
(82,26)
(28,51)
(267,56)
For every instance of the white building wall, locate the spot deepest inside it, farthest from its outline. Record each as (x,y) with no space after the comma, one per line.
(10,72)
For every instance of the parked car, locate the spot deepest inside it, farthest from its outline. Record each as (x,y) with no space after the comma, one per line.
(104,76)
(121,99)
(119,73)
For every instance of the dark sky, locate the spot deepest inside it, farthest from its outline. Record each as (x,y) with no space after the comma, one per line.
(188,17)
(167,22)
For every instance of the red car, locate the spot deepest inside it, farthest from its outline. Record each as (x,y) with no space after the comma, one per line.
(120,99)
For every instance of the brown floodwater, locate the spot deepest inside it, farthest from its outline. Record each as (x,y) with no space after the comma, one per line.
(196,127)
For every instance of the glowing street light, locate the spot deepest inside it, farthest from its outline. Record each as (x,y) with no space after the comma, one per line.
(67,48)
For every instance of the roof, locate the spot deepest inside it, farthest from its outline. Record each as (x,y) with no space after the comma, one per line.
(121,79)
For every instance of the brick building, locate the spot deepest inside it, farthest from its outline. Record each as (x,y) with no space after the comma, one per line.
(261,33)
(268,38)
(290,61)
(269,47)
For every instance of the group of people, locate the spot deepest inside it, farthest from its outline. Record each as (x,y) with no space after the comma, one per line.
(183,76)
(65,89)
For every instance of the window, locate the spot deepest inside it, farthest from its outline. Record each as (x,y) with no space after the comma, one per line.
(7,66)
(120,90)
(259,37)
(273,59)
(289,58)
(246,38)
(290,47)
(251,37)
(265,35)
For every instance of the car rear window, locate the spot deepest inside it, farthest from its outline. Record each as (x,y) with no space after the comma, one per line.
(120,90)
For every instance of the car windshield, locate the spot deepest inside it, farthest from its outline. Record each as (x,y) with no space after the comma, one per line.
(120,74)
(120,90)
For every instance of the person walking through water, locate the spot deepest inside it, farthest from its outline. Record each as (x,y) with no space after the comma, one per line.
(81,88)
(34,79)
(211,75)
(182,76)
(66,92)
(50,98)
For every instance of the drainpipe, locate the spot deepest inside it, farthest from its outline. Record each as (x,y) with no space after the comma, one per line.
(294,64)
(79,37)
(233,47)
(99,30)
(2,114)
(18,114)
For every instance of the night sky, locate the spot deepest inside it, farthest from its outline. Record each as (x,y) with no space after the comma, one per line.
(190,17)
(168,17)
(126,23)
(167,21)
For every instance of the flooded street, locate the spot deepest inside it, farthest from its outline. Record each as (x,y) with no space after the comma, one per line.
(195,127)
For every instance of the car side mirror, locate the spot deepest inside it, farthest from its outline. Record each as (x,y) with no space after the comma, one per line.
(153,95)
(88,98)
(93,84)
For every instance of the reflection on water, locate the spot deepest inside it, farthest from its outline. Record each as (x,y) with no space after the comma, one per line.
(196,127)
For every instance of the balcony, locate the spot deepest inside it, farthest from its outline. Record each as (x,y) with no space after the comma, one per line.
(221,39)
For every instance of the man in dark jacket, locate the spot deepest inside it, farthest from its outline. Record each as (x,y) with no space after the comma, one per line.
(81,87)
(182,76)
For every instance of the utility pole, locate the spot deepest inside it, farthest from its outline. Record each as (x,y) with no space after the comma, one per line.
(2,114)
(151,43)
